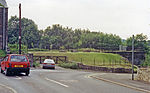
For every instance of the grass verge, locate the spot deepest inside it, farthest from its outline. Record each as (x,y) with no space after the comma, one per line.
(90,58)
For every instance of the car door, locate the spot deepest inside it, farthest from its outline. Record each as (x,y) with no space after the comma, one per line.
(2,64)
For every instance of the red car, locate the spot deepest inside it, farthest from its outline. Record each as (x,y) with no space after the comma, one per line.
(15,64)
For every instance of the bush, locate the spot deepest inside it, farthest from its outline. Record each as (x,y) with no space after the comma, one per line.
(147,61)
(87,50)
(37,49)
(2,53)
(35,64)
(69,65)
(14,48)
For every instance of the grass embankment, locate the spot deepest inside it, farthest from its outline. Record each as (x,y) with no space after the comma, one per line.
(89,58)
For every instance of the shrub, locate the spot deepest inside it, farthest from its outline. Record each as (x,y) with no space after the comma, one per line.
(37,49)
(2,53)
(69,65)
(87,50)
(14,48)
(35,64)
(147,60)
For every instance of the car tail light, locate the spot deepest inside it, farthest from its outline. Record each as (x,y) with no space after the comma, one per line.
(52,64)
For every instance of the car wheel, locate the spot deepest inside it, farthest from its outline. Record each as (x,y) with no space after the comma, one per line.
(7,72)
(43,67)
(27,73)
(2,70)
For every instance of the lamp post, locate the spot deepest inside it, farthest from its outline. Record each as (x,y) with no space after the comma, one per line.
(19,28)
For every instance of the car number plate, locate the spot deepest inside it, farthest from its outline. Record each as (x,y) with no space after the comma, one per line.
(18,65)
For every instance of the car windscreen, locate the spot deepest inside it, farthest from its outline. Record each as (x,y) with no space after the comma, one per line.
(16,58)
(49,61)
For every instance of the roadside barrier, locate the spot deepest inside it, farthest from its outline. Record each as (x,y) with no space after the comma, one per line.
(104,69)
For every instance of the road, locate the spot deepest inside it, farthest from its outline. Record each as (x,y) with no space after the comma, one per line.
(58,81)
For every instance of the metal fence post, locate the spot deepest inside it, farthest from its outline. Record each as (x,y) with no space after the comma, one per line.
(31,59)
(133,58)
(120,61)
(94,63)
(40,60)
(56,60)
(109,62)
(81,60)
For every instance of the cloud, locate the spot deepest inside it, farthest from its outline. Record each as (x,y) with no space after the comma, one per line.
(121,17)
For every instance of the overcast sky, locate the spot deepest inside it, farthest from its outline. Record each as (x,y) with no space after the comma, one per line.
(120,17)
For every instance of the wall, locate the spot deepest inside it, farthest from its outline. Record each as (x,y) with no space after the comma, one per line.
(139,56)
(104,69)
(143,74)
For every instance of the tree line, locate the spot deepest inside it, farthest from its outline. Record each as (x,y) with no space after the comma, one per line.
(59,37)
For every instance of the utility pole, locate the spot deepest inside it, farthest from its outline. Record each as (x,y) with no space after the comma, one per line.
(133,57)
(19,28)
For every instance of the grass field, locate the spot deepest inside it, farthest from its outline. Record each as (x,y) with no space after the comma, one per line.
(89,58)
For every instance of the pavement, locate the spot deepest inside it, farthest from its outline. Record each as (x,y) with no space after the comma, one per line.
(123,79)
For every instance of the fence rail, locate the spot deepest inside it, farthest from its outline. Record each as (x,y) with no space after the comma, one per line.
(55,58)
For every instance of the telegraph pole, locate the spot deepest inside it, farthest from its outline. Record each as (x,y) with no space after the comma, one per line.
(133,57)
(19,28)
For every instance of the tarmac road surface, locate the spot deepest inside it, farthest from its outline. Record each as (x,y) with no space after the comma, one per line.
(58,81)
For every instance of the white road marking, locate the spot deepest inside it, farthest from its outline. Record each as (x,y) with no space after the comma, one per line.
(89,76)
(57,82)
(14,91)
(70,81)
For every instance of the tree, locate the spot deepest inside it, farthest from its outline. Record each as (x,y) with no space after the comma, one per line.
(68,38)
(57,36)
(140,42)
(30,33)
(13,30)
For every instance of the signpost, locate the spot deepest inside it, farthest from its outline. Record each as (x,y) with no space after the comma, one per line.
(133,57)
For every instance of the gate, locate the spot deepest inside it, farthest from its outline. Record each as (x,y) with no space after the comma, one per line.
(55,58)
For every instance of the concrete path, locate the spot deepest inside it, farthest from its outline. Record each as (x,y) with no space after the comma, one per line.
(123,80)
